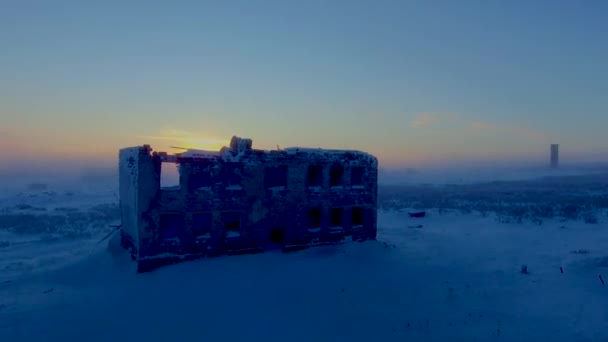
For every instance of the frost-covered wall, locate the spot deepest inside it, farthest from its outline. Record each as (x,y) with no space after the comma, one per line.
(241,200)
(128,170)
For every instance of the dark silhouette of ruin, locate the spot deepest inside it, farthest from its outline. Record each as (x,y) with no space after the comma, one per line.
(554,156)
(242,200)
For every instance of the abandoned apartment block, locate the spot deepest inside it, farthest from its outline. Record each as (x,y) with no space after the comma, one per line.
(243,200)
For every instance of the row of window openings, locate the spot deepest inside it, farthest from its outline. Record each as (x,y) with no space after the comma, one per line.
(172,224)
(273,177)
(336,216)
(314,176)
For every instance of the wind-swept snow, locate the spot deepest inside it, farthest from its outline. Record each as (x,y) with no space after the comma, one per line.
(454,277)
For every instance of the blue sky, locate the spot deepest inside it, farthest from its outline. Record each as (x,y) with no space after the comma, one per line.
(414,82)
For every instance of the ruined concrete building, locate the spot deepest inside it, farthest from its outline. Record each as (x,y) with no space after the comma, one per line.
(243,200)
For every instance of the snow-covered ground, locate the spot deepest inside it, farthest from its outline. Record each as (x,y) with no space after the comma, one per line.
(482,173)
(456,278)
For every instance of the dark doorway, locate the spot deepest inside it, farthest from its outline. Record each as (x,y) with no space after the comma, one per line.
(357,217)
(314,218)
(275,238)
(171,229)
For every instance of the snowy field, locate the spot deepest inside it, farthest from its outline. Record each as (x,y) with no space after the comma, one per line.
(454,275)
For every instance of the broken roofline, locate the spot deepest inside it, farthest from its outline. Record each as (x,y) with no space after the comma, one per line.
(240,146)
(192,155)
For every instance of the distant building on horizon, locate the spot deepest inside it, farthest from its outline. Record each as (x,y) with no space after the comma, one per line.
(554,156)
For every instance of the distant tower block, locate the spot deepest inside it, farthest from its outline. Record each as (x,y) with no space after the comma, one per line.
(554,155)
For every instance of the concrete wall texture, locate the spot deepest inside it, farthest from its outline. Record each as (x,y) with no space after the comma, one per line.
(242,200)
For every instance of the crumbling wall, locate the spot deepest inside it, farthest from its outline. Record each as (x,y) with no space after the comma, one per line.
(128,168)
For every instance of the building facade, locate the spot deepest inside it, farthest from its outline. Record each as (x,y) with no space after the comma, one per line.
(243,200)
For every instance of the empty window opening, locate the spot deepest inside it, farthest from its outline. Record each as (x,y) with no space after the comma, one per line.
(233,175)
(200,178)
(201,225)
(276,236)
(171,226)
(335,217)
(314,176)
(232,224)
(275,176)
(314,218)
(336,175)
(169,176)
(356,176)
(357,216)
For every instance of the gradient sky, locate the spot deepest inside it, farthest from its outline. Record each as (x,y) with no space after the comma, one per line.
(414,82)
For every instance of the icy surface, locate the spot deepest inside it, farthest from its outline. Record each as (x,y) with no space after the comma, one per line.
(451,276)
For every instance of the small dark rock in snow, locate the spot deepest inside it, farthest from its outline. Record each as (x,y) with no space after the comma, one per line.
(580,251)
(23,206)
(417,214)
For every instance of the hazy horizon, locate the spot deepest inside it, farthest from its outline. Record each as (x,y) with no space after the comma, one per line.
(90,177)
(416,83)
